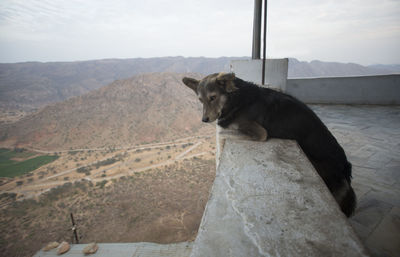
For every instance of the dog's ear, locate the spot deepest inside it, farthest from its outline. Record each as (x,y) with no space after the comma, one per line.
(191,83)
(227,80)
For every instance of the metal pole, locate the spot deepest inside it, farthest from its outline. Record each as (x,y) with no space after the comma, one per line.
(256,30)
(74,229)
(264,43)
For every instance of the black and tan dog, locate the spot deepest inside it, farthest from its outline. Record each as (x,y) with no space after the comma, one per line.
(264,113)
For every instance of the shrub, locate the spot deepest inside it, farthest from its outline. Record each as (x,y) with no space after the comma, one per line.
(109,161)
(19,150)
(83,170)
(101,184)
(13,196)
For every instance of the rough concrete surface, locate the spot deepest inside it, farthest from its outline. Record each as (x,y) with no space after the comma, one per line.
(267,200)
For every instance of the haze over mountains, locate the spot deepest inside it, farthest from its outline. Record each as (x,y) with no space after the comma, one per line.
(32,85)
(299,69)
(147,102)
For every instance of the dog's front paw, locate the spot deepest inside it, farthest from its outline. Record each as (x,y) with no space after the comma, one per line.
(254,130)
(261,135)
(264,136)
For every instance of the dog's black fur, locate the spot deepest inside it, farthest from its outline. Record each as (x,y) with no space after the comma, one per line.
(283,116)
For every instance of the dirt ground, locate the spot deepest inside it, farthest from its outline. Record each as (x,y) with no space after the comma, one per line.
(98,164)
(153,193)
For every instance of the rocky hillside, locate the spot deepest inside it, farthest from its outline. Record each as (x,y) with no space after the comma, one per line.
(145,108)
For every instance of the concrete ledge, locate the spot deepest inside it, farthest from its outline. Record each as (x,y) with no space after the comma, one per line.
(267,200)
(383,89)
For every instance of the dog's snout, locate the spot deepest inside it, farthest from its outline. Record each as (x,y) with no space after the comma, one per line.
(206,119)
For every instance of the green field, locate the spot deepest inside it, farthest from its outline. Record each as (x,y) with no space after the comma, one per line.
(12,168)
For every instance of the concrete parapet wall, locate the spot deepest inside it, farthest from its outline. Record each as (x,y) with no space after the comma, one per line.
(383,89)
(276,71)
(267,200)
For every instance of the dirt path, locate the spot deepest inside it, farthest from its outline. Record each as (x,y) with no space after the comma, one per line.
(28,190)
(132,171)
(142,147)
(180,156)
(131,148)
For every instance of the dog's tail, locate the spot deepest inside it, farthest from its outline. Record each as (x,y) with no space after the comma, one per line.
(348,203)
(347,172)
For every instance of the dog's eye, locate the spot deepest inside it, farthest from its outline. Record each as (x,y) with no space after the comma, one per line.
(212,98)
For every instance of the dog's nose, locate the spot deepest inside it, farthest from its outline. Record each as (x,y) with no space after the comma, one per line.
(205,119)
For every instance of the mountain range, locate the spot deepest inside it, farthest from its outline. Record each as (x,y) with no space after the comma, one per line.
(301,69)
(32,85)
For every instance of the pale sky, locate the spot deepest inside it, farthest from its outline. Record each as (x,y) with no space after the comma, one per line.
(359,31)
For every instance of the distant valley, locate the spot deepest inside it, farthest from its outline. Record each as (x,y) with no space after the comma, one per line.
(134,152)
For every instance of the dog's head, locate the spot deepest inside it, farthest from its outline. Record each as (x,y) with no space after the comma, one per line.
(212,92)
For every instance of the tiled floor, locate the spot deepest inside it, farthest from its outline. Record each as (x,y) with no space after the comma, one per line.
(370,136)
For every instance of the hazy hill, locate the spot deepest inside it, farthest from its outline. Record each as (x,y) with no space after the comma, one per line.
(299,69)
(32,85)
(144,108)
(395,68)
